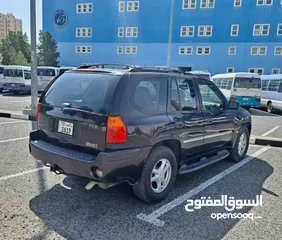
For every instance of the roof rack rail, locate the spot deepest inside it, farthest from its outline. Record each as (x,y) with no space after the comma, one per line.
(108,65)
(152,69)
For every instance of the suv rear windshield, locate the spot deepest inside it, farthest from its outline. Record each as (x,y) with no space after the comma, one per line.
(84,91)
(247,83)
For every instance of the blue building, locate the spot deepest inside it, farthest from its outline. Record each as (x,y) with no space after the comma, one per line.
(215,35)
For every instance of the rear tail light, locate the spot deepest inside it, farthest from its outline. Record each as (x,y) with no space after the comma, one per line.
(116,130)
(4,84)
(258,99)
(22,85)
(233,98)
(37,112)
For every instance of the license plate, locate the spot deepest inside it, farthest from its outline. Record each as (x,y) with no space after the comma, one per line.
(13,85)
(65,127)
(245,99)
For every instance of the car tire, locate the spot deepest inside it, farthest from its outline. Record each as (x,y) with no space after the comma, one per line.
(270,107)
(247,108)
(240,148)
(146,189)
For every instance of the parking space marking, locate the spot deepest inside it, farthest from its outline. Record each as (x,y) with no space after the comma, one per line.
(153,218)
(14,139)
(270,131)
(22,173)
(3,123)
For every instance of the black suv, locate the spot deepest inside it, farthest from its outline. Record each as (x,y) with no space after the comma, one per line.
(137,125)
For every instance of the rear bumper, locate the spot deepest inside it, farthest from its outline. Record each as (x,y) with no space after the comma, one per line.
(16,87)
(118,166)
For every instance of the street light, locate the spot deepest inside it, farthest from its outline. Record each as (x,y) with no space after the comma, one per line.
(170,33)
(34,87)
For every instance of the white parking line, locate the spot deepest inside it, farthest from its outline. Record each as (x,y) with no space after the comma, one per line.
(14,139)
(153,217)
(3,123)
(22,173)
(270,131)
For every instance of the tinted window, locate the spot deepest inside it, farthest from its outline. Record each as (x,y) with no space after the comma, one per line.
(1,70)
(149,93)
(265,85)
(211,96)
(90,92)
(27,74)
(186,93)
(273,85)
(46,72)
(13,73)
(247,83)
(280,87)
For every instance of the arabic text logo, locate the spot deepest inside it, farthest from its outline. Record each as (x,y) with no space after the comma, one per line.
(60,18)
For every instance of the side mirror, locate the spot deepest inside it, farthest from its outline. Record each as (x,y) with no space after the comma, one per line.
(233,105)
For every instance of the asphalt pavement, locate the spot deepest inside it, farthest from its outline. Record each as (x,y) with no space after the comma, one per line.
(37,204)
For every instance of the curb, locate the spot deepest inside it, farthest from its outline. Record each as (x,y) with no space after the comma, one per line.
(17,116)
(266,141)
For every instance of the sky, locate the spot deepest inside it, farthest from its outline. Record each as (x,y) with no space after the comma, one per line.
(21,10)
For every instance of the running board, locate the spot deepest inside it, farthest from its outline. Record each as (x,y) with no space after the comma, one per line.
(204,162)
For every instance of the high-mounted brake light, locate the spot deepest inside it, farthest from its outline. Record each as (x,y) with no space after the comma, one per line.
(233,98)
(37,112)
(116,130)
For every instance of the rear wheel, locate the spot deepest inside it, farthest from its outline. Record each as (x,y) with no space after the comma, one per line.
(240,148)
(158,176)
(270,107)
(247,108)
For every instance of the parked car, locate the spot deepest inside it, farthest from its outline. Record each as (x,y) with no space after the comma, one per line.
(137,125)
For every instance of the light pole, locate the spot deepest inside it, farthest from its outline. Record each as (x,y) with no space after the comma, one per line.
(170,33)
(34,87)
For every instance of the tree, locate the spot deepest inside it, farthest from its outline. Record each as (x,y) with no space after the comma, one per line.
(15,41)
(47,50)
(17,58)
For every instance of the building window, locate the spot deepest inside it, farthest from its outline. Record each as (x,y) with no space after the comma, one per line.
(185,50)
(130,50)
(131,32)
(264,2)
(230,70)
(279,29)
(237,3)
(256,70)
(275,70)
(207,3)
(119,50)
(121,6)
(121,32)
(278,51)
(205,31)
(189,4)
(234,30)
(232,50)
(133,6)
(83,49)
(203,50)
(258,50)
(187,31)
(84,32)
(84,8)
(261,30)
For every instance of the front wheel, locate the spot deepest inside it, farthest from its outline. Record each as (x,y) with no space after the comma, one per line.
(158,176)
(240,148)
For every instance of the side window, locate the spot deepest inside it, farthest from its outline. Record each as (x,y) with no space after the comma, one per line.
(280,87)
(211,97)
(265,85)
(183,95)
(150,94)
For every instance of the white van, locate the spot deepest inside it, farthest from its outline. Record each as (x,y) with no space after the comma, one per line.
(45,75)
(17,79)
(244,88)
(1,77)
